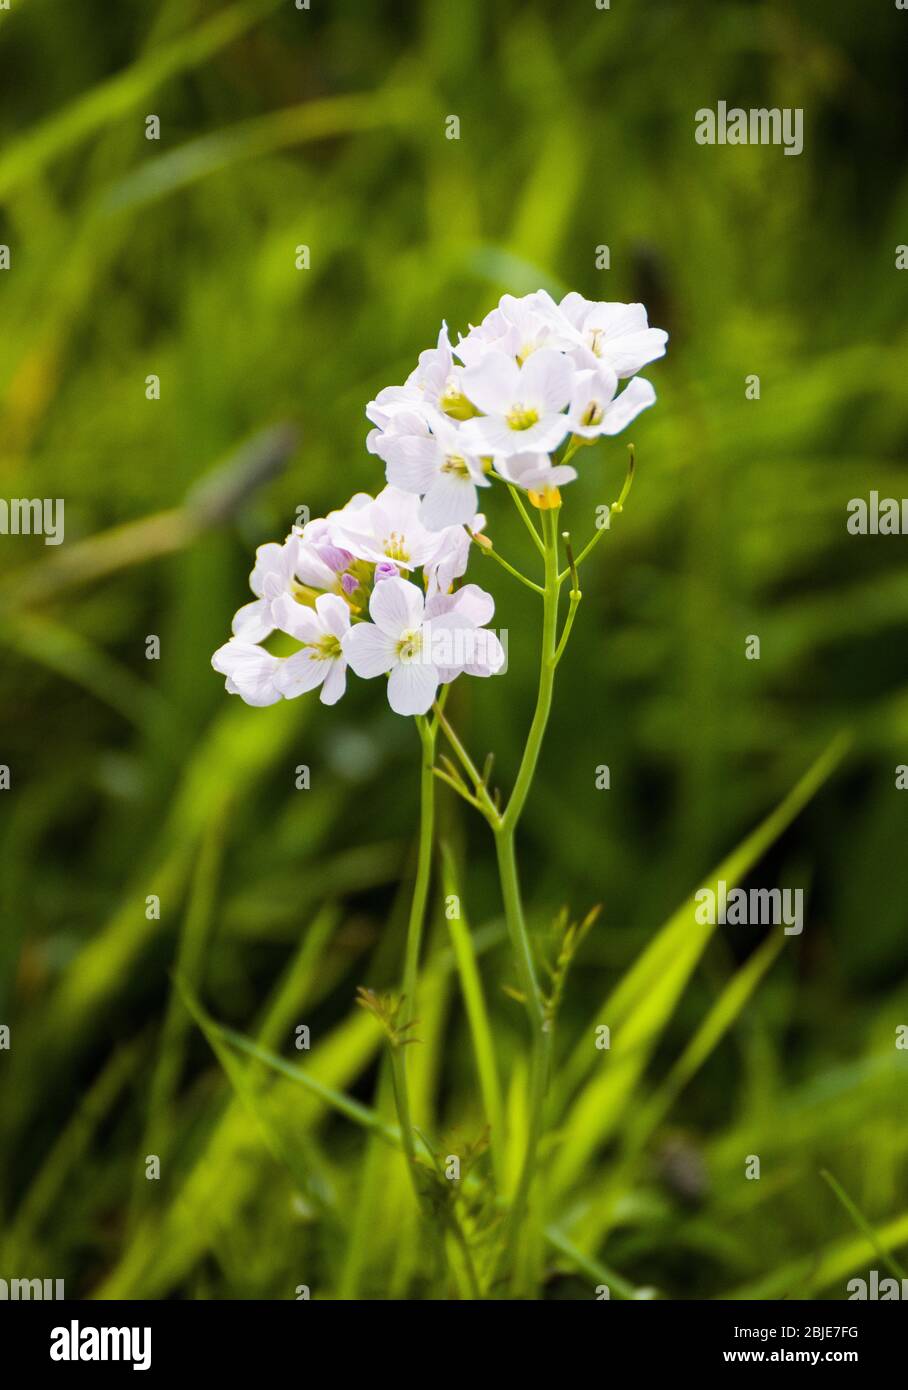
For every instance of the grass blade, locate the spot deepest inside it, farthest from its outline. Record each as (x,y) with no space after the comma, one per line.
(640,1007)
(863,1225)
(478,1017)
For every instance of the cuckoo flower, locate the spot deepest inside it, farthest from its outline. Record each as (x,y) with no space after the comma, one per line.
(260,678)
(320,661)
(617,335)
(595,408)
(376,587)
(273,574)
(522,405)
(452,557)
(434,384)
(251,671)
(428,457)
(480,648)
(417,646)
(538,476)
(517,327)
(388,527)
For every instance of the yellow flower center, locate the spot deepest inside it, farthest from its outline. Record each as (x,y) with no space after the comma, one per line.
(328,648)
(409,645)
(303,594)
(520,417)
(456,464)
(455,404)
(395,548)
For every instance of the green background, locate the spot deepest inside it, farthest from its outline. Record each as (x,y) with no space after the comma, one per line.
(133,777)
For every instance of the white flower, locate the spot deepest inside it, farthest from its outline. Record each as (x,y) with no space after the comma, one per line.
(615,334)
(595,409)
(321,530)
(483,653)
(307,557)
(521,405)
(417,651)
(273,574)
(428,457)
(387,528)
(452,557)
(262,679)
(536,473)
(434,384)
(517,327)
(250,671)
(320,661)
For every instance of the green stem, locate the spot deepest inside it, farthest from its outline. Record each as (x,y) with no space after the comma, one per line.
(464,1247)
(527,519)
(494,555)
(530,757)
(576,441)
(504,826)
(517,931)
(575,597)
(486,804)
(427,734)
(404,1118)
(590,545)
(615,509)
(478,1017)
(541,1039)
(459,786)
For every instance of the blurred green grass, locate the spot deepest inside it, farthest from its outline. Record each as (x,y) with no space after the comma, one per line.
(130,257)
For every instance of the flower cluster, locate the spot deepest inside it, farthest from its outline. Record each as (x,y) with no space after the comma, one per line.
(331,576)
(508,395)
(373,587)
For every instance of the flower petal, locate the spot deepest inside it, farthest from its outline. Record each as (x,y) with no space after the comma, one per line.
(471,602)
(252,622)
(369,651)
(547,377)
(250,672)
(616,320)
(412,687)
(411,462)
(535,472)
(311,568)
(296,619)
(492,385)
(396,606)
(335,682)
(333,613)
(488,657)
(634,350)
(271,559)
(301,672)
(636,396)
(491,434)
(449,501)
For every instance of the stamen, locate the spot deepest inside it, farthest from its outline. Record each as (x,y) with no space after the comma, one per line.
(409,645)
(521,417)
(455,404)
(395,548)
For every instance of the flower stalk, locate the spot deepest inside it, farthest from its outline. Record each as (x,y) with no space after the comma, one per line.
(511,405)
